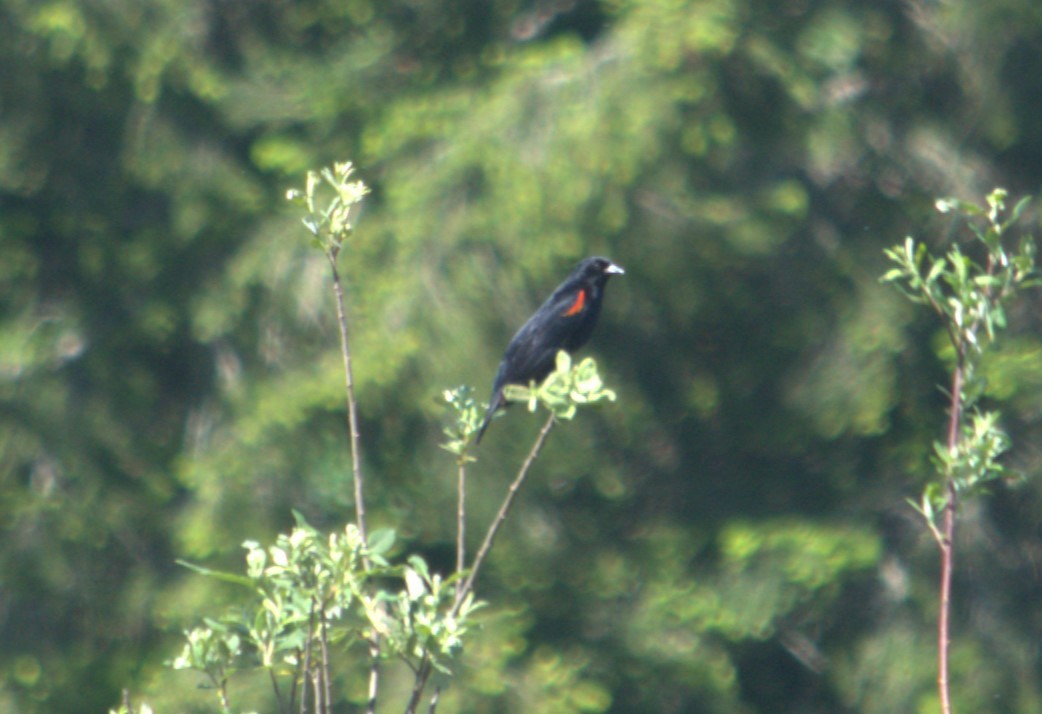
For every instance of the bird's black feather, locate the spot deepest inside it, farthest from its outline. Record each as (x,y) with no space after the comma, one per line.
(564,322)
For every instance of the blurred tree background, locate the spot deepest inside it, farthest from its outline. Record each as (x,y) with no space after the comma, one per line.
(731,536)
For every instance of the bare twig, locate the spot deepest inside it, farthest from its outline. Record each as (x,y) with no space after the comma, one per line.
(461,520)
(943,618)
(307,665)
(374,674)
(274,684)
(423,673)
(352,407)
(324,669)
(316,683)
(947,542)
(356,468)
(501,516)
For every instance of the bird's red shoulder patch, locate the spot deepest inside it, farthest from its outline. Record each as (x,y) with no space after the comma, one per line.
(578,305)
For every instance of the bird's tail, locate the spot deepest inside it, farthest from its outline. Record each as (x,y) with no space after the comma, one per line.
(494,405)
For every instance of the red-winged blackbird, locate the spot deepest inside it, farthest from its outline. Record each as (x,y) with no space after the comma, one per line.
(564,322)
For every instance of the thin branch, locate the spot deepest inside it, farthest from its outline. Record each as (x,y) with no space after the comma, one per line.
(307,663)
(943,314)
(947,540)
(944,617)
(324,641)
(356,466)
(222,688)
(425,668)
(352,407)
(501,516)
(274,684)
(434,700)
(422,675)
(374,674)
(316,683)
(461,520)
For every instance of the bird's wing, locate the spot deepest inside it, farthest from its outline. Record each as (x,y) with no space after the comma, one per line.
(532,351)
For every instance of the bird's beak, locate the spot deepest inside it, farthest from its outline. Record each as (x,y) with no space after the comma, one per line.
(613,269)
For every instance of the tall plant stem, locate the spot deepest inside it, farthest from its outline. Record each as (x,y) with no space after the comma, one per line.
(356,466)
(352,406)
(947,566)
(423,672)
(501,516)
(461,519)
(946,542)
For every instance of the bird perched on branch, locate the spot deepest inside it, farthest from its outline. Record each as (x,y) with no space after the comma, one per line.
(564,322)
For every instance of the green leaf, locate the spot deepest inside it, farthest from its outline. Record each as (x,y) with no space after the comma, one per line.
(414,584)
(563,361)
(934,499)
(892,275)
(420,566)
(381,540)
(1018,209)
(218,574)
(935,270)
(299,519)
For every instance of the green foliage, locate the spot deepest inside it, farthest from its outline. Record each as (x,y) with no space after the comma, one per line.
(142,709)
(313,593)
(850,386)
(212,650)
(329,221)
(564,389)
(313,598)
(767,570)
(971,298)
(562,393)
(429,620)
(468,414)
(170,387)
(770,581)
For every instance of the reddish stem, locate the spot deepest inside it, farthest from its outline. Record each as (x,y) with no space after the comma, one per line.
(947,545)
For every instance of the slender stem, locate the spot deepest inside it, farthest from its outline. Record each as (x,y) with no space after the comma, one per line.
(293,689)
(374,674)
(946,537)
(318,691)
(422,675)
(222,687)
(307,664)
(425,668)
(356,466)
(955,410)
(947,542)
(434,700)
(461,520)
(943,619)
(274,684)
(324,671)
(501,516)
(352,407)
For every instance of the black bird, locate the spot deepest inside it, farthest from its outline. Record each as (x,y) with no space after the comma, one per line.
(564,322)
